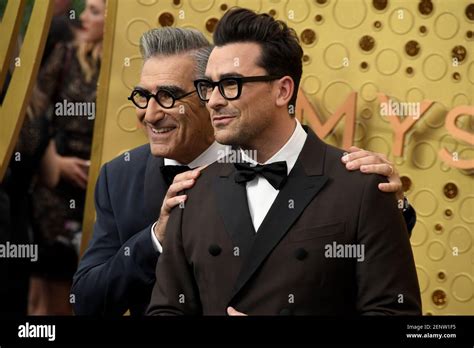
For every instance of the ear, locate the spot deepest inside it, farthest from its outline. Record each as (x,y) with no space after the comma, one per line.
(285,86)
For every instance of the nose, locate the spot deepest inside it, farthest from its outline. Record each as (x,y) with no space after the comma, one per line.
(154,112)
(216,101)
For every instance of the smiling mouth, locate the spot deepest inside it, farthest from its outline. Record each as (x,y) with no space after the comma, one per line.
(161,130)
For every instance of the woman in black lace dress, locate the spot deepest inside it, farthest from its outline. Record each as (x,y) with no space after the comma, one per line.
(68,82)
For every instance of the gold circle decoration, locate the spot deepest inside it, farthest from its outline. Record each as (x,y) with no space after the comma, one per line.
(425,202)
(434,67)
(311,84)
(462,287)
(466,209)
(424,155)
(134,30)
(459,237)
(436,250)
(387,62)
(368,91)
(423,278)
(166,19)
(401,21)
(334,55)
(126,118)
(349,15)
(446,26)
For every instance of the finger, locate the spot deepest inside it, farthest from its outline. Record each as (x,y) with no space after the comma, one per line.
(390,186)
(174,189)
(382,169)
(355,155)
(81,174)
(80,182)
(188,175)
(355,164)
(232,312)
(170,203)
(81,162)
(354,149)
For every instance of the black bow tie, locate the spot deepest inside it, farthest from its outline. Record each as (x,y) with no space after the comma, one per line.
(169,172)
(275,173)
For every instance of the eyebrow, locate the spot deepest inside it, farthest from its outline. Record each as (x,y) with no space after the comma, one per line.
(170,88)
(223,76)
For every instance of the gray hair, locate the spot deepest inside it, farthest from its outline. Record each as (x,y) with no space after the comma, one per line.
(169,41)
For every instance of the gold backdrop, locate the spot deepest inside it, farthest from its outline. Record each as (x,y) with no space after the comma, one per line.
(409,51)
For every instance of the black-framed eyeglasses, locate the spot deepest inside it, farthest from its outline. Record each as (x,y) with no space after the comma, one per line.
(229,87)
(163,97)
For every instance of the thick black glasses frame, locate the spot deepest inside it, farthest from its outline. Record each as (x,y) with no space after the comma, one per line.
(149,95)
(240,81)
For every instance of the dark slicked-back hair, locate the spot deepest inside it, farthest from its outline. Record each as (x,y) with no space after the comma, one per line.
(281,51)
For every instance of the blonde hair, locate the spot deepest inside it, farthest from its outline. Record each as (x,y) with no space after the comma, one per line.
(89,54)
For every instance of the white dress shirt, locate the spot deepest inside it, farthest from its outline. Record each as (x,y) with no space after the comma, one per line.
(260,193)
(210,155)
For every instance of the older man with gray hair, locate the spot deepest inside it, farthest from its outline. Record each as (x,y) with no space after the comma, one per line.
(135,192)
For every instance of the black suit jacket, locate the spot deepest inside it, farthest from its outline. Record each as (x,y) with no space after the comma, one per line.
(117,272)
(213,258)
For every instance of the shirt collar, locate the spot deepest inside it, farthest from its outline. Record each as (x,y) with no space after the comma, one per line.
(210,155)
(289,152)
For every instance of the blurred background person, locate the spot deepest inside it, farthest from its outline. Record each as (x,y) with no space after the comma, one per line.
(67,78)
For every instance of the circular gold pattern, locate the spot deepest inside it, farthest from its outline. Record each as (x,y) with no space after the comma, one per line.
(466,207)
(224,7)
(364,65)
(378,25)
(448,213)
(272,13)
(308,36)
(441,275)
(412,48)
(387,61)
(423,278)
(176,2)
(459,52)
(401,20)
(470,12)
(406,183)
(369,91)
(367,43)
(446,26)
(420,234)
(211,24)
(349,14)
(434,67)
(460,238)
(425,202)
(321,2)
(306,58)
(439,298)
(380,4)
(469,34)
(422,29)
(318,18)
(425,7)
(166,19)
(456,76)
(424,155)
(462,287)
(439,228)
(409,70)
(450,190)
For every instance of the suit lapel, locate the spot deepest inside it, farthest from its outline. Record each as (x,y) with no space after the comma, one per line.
(233,207)
(304,182)
(155,186)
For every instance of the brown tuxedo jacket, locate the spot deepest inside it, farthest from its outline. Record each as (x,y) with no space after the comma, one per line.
(303,260)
